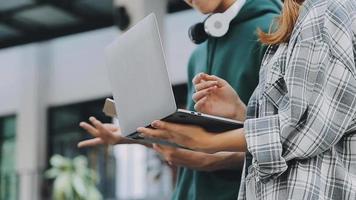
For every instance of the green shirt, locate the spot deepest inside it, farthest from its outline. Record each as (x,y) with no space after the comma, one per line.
(236,57)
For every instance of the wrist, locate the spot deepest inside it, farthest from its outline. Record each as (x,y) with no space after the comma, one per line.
(223,160)
(233,141)
(217,143)
(206,143)
(212,144)
(211,162)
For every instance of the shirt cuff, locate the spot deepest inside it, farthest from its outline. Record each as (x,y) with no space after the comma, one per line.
(264,143)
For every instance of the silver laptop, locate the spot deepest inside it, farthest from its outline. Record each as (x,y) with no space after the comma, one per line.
(141,87)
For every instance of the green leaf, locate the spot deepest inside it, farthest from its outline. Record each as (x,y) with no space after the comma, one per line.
(79,186)
(62,187)
(59,161)
(80,162)
(94,193)
(52,173)
(74,180)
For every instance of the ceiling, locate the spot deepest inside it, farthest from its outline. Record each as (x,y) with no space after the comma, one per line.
(26,21)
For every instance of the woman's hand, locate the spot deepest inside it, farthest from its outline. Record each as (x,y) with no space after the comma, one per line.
(191,137)
(105,134)
(215,96)
(196,138)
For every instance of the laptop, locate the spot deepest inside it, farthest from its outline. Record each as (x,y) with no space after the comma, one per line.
(142,89)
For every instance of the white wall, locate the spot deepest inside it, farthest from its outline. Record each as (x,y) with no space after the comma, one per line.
(77,65)
(10,66)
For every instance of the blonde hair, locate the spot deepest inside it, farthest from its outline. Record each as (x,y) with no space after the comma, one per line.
(285,24)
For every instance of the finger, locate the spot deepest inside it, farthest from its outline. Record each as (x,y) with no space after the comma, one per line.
(205,84)
(197,79)
(100,127)
(164,148)
(94,121)
(161,151)
(89,128)
(199,106)
(158,148)
(206,77)
(166,153)
(169,127)
(154,133)
(91,143)
(201,94)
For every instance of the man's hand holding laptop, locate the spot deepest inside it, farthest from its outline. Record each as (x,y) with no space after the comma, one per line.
(109,134)
(213,96)
(210,91)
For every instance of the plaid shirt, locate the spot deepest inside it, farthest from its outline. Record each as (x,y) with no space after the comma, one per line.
(301,118)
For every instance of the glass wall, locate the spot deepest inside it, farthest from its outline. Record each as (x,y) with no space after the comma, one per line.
(8,177)
(64,133)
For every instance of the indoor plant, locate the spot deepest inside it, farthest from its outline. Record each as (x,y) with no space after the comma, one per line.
(73,179)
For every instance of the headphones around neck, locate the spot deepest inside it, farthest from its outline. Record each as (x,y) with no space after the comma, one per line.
(215,25)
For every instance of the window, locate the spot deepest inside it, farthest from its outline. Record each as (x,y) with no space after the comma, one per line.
(8,177)
(64,133)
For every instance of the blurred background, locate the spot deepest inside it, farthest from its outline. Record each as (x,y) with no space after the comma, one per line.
(53,75)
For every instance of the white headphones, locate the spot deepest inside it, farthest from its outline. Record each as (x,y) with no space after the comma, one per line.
(216,25)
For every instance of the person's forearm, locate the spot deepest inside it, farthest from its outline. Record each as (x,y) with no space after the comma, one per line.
(225,160)
(203,161)
(233,141)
